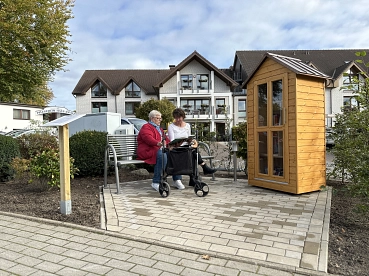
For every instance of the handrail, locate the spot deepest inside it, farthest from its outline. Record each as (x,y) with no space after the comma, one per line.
(115,166)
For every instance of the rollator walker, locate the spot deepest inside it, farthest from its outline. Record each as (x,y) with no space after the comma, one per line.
(182,160)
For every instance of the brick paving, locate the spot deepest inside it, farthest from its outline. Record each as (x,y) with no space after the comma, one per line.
(244,230)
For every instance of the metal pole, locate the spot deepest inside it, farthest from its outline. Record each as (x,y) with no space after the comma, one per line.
(234,166)
(234,149)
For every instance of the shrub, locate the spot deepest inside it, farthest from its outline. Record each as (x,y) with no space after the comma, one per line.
(9,149)
(45,166)
(35,143)
(21,169)
(239,133)
(87,148)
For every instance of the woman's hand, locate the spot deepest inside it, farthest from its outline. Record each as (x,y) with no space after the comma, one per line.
(194,143)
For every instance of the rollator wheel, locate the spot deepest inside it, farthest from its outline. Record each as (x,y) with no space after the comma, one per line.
(201,189)
(164,189)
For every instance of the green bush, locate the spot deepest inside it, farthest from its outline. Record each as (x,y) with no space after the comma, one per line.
(9,149)
(239,133)
(35,143)
(87,148)
(45,167)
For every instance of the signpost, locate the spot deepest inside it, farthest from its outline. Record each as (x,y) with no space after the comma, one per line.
(65,194)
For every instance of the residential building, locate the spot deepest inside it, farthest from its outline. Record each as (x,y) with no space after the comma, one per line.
(334,63)
(202,90)
(16,116)
(195,84)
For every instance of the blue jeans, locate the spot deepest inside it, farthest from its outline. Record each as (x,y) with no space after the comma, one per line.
(158,167)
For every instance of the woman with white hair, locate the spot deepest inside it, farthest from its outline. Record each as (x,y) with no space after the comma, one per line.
(150,142)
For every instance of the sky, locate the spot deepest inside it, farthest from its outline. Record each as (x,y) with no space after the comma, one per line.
(152,34)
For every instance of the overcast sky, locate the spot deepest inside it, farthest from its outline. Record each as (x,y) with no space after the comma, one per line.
(150,34)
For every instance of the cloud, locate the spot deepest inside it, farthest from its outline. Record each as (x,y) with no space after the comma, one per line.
(151,34)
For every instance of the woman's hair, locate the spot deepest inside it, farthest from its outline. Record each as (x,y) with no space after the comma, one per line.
(178,112)
(153,114)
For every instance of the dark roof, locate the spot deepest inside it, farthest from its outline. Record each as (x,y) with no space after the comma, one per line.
(293,64)
(204,62)
(329,62)
(148,80)
(116,80)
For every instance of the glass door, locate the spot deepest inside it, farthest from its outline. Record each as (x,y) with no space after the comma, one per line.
(270,130)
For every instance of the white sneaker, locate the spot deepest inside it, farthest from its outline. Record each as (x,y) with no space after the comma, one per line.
(155,186)
(178,184)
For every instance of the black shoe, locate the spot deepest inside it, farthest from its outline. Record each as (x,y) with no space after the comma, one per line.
(208,170)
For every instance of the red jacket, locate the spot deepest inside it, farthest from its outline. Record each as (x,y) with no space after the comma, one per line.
(147,141)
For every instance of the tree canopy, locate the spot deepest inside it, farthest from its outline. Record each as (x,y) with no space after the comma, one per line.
(164,106)
(350,134)
(33,47)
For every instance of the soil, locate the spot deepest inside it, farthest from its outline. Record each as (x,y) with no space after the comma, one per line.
(348,236)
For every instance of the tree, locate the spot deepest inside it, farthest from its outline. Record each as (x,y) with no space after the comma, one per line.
(351,136)
(164,106)
(33,46)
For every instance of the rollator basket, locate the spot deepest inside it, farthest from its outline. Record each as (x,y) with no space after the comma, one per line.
(180,161)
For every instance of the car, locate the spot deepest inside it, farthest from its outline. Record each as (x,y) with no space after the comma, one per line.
(136,122)
(328,137)
(19,132)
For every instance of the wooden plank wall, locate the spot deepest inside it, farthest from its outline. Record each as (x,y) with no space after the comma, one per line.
(310,134)
(305,133)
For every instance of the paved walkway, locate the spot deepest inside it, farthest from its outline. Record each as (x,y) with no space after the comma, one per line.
(235,221)
(236,230)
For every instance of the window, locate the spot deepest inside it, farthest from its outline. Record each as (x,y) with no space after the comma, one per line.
(220,106)
(350,80)
(350,103)
(241,108)
(263,104)
(277,102)
(203,81)
(133,90)
(21,114)
(196,106)
(186,82)
(99,91)
(131,108)
(99,107)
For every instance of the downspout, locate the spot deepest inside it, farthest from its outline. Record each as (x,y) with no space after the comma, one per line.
(116,106)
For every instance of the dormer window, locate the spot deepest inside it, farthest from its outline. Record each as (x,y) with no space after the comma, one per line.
(348,78)
(202,81)
(99,90)
(186,82)
(133,90)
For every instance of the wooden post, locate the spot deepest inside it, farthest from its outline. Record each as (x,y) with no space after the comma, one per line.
(65,196)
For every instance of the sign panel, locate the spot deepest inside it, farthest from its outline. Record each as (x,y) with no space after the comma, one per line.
(63,120)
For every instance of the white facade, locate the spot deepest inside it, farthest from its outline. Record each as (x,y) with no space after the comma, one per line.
(115,103)
(337,97)
(201,104)
(18,116)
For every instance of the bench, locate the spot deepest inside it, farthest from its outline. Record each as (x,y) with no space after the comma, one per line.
(121,150)
(209,157)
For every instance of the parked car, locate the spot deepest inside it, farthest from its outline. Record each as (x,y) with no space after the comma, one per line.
(19,132)
(328,138)
(136,122)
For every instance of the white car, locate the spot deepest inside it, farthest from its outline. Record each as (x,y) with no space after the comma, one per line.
(328,138)
(19,132)
(136,122)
